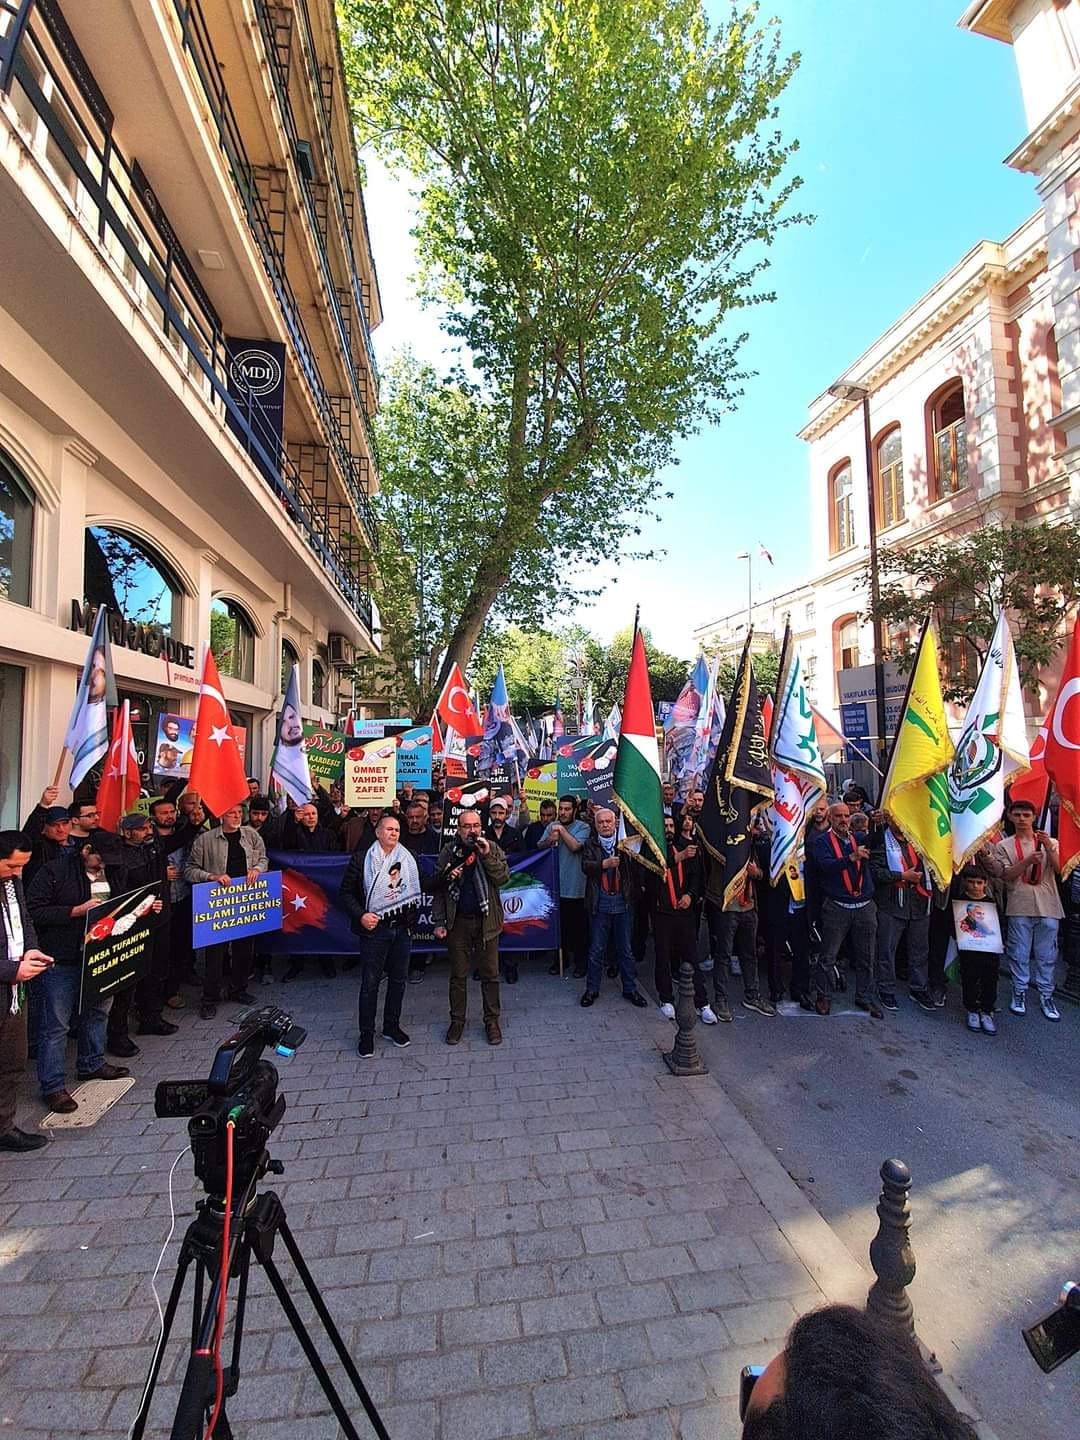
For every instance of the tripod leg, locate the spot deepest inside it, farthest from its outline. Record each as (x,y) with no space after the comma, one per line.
(315,1360)
(334,1334)
(139,1423)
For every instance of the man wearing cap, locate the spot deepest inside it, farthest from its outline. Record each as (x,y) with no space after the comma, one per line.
(49,827)
(505,836)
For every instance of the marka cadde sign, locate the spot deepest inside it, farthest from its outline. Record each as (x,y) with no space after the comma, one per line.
(150,639)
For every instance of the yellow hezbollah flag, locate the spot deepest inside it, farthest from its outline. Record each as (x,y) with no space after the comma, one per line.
(916,793)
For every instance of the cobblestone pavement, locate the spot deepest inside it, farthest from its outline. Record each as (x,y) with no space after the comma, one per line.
(553,1238)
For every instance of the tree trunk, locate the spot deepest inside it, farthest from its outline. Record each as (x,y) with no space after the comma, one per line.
(489,579)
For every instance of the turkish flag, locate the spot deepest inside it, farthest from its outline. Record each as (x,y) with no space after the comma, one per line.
(1035,785)
(1061,755)
(436,736)
(304,902)
(217,767)
(766,715)
(119,788)
(455,709)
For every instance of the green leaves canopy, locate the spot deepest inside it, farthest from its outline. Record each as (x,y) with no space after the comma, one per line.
(592,174)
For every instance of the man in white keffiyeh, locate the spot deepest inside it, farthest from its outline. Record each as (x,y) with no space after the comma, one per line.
(381,892)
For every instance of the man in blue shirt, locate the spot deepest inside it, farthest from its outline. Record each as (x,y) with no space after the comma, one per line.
(845,884)
(569,835)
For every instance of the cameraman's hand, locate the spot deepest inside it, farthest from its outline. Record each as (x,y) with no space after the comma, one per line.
(369,920)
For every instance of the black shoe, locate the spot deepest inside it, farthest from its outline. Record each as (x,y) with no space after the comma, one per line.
(121,1046)
(580,971)
(396,1035)
(889,1002)
(366,1048)
(157,1027)
(350,964)
(242,997)
(292,973)
(612,971)
(636,998)
(328,968)
(19,1140)
(511,974)
(589,998)
(553,968)
(805,1003)
(207,1010)
(872,1008)
(416,976)
(923,999)
(107,1072)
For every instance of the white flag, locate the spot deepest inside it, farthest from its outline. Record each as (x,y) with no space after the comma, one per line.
(992,748)
(795,757)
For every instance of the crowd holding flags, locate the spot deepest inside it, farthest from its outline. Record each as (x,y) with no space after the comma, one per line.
(739,783)
(798,775)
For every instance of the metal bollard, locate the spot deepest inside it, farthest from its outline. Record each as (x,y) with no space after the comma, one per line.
(891,1254)
(684,1058)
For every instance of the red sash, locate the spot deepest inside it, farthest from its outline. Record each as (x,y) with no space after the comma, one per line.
(851,860)
(671,885)
(912,862)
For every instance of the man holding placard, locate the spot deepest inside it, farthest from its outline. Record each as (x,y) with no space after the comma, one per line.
(232,854)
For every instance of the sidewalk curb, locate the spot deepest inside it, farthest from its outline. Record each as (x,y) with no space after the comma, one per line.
(839,1276)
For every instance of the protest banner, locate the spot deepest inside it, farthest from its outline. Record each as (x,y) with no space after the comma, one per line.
(371,773)
(499,778)
(227,912)
(173,746)
(539,785)
(585,766)
(314,924)
(325,754)
(380,728)
(414,757)
(474,795)
(117,942)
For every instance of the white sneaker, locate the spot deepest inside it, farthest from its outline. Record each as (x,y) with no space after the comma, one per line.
(987,1023)
(973,1022)
(705,1014)
(667,1010)
(736,968)
(1018,1003)
(1049,1009)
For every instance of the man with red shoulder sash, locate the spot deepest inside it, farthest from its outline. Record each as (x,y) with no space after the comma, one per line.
(846,886)
(903,895)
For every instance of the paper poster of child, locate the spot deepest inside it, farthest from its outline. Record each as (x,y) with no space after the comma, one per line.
(978,926)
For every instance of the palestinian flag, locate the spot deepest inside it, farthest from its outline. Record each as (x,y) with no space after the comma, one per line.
(636,786)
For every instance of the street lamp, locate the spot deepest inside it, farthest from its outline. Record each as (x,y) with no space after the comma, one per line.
(745,555)
(847,390)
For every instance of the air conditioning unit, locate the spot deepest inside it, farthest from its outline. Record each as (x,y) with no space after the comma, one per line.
(305,160)
(339,649)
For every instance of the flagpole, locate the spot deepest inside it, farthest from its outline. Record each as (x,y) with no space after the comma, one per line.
(59,767)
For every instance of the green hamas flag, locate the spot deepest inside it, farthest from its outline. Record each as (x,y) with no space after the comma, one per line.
(740,781)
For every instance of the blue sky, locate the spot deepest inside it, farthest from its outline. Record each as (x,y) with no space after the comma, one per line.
(903,122)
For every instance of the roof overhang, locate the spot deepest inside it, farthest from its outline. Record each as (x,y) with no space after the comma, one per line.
(990,18)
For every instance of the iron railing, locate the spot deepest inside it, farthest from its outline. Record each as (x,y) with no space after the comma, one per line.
(101,185)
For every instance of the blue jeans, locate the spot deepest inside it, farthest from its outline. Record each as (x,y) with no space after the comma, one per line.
(1025,933)
(58,992)
(613,918)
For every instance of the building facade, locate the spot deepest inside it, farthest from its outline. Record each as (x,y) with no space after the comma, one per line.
(726,635)
(186,372)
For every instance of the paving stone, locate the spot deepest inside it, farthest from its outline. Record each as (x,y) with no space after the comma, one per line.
(614,1235)
(658,1262)
(769,1320)
(548,1245)
(487,1417)
(656,1426)
(587,1272)
(523,1361)
(777,1280)
(710,1422)
(674,1229)
(609,1348)
(674,1383)
(380,1339)
(584,1140)
(56,1409)
(558,1315)
(581,1210)
(24,1299)
(508,1219)
(634,1302)
(482,1325)
(455,1373)
(450,1292)
(714,1290)
(685,1335)
(519,1282)
(403,1422)
(578,1401)
(404,1263)
(726,1253)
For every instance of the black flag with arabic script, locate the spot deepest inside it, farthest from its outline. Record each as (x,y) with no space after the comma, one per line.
(740,781)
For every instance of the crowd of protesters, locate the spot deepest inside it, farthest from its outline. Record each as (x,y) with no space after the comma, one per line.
(861,903)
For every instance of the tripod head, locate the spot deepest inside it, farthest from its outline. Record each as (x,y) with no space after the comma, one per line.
(241,1089)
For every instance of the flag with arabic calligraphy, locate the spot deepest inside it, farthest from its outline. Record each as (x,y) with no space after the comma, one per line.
(798,775)
(739,783)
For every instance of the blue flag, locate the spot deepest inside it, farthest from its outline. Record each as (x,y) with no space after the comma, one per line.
(503,743)
(87,735)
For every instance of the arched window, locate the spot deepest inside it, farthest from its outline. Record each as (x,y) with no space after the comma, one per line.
(889,461)
(289,658)
(16,532)
(847,643)
(841,518)
(318,684)
(127,576)
(948,424)
(232,639)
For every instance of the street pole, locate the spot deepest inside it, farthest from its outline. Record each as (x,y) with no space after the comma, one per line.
(746,555)
(875,584)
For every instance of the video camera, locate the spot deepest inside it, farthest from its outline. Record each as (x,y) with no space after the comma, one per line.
(241,1088)
(1056,1339)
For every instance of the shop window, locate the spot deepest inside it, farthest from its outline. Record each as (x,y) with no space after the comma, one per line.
(12,689)
(948,425)
(318,684)
(232,639)
(16,532)
(127,576)
(841,517)
(289,658)
(889,463)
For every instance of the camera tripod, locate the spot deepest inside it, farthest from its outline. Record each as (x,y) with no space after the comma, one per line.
(256,1222)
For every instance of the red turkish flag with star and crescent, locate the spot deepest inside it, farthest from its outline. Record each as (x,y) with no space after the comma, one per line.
(1061,755)
(304,902)
(217,767)
(1035,784)
(455,709)
(119,788)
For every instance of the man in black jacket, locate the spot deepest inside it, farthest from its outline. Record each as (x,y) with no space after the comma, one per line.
(611,887)
(304,832)
(49,827)
(20,962)
(139,860)
(60,897)
(674,899)
(903,895)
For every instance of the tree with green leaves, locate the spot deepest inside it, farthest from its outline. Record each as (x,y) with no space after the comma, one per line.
(1031,570)
(598,181)
(607,666)
(534,663)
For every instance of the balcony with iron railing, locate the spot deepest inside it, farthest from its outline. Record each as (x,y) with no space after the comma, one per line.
(199,50)
(63,117)
(279,67)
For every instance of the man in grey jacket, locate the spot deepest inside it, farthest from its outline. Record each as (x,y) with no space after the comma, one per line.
(234,854)
(468,915)
(20,961)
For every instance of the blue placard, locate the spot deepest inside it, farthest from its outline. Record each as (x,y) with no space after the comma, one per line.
(414,757)
(855,719)
(227,912)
